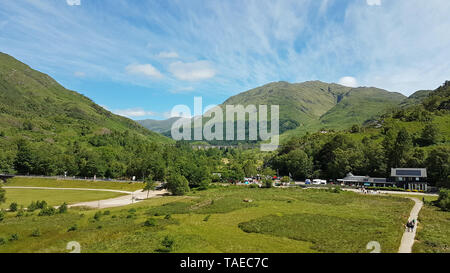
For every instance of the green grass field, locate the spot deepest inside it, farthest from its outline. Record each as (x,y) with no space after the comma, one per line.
(434,231)
(218,220)
(54,183)
(53,197)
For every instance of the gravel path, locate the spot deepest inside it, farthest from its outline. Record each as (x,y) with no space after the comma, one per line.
(129,198)
(132,198)
(408,237)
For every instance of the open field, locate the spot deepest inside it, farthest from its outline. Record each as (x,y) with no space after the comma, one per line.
(54,183)
(54,197)
(218,220)
(434,231)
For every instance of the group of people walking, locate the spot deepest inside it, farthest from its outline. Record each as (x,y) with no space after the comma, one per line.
(410,225)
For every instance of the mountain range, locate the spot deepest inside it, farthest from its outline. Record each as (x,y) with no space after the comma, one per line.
(35,106)
(313,105)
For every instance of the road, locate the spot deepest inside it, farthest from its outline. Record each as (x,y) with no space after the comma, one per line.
(409,237)
(129,198)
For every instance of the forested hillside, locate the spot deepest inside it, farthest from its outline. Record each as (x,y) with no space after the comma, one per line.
(414,136)
(47,129)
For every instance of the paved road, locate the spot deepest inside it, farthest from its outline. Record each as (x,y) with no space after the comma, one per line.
(408,237)
(129,198)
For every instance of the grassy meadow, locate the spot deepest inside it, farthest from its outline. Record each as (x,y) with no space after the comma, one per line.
(55,183)
(24,197)
(219,220)
(433,234)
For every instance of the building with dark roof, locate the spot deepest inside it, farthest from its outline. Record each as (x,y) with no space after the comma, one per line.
(410,178)
(406,178)
(365,181)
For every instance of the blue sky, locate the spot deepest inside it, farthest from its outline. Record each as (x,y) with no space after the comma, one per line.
(141,58)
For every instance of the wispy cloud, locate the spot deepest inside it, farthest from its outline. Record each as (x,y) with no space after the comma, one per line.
(373,2)
(134,113)
(144,70)
(79,74)
(73,2)
(186,89)
(167,55)
(241,44)
(194,71)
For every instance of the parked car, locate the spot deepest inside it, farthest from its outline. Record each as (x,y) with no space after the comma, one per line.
(308,182)
(319,182)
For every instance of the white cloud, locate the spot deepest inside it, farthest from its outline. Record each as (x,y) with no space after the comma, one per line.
(183,90)
(73,2)
(144,69)
(79,74)
(348,81)
(168,55)
(373,2)
(194,71)
(133,112)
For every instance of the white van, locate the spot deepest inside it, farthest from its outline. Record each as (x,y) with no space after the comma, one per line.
(319,182)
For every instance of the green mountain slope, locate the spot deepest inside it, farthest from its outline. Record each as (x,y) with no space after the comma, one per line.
(358,105)
(35,105)
(159,126)
(310,106)
(301,103)
(313,105)
(47,129)
(416,98)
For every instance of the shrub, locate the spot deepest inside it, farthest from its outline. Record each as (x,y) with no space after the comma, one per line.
(20,213)
(253,186)
(167,243)
(2,215)
(63,208)
(36,233)
(150,222)
(13,207)
(335,190)
(207,218)
(32,207)
(106,212)
(2,241)
(268,183)
(97,216)
(285,179)
(168,217)
(177,184)
(13,237)
(73,228)
(443,201)
(204,184)
(47,211)
(41,204)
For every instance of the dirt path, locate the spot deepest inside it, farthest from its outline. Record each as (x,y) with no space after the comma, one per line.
(129,198)
(408,237)
(132,198)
